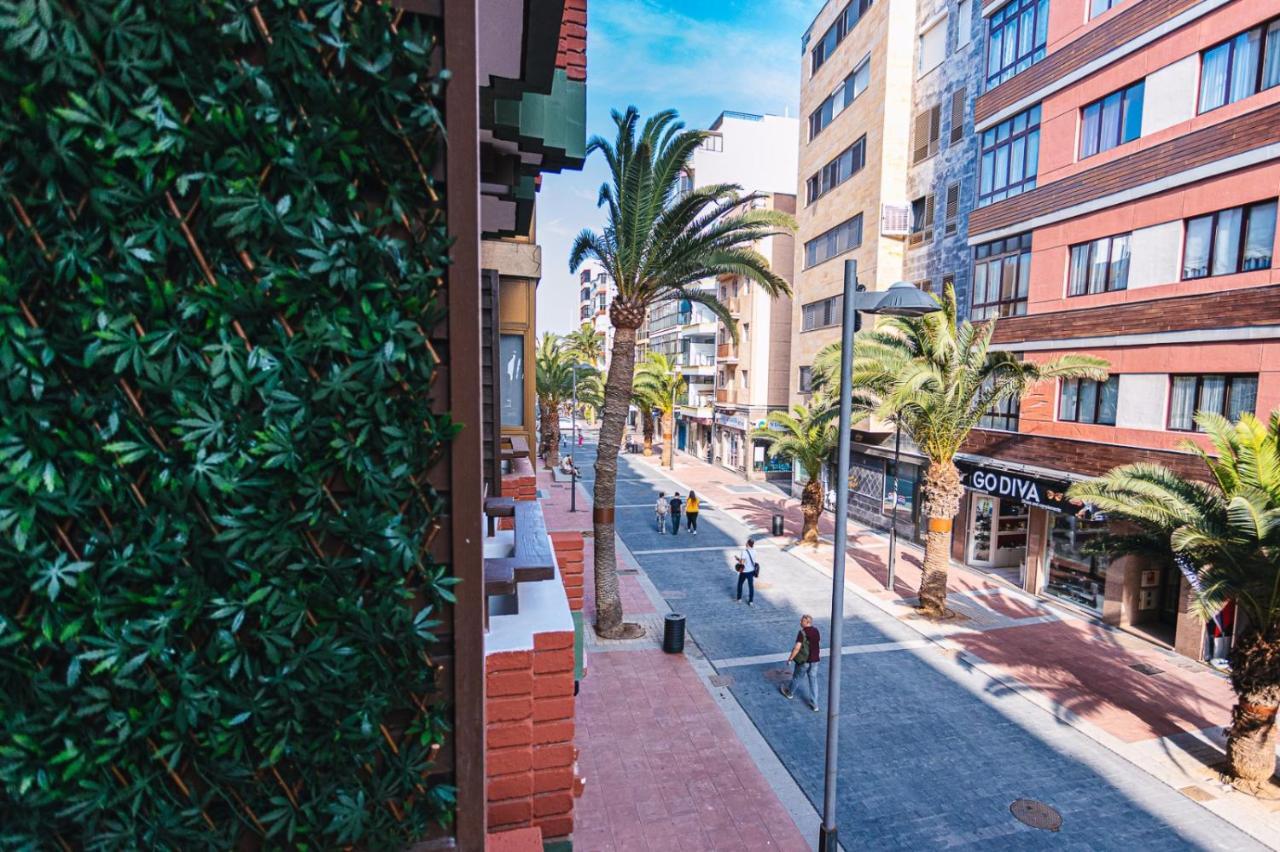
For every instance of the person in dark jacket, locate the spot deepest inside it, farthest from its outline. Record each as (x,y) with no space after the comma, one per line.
(677,505)
(804,655)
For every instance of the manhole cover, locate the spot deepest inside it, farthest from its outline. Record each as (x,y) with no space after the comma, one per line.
(1146,669)
(673,594)
(1036,814)
(721,680)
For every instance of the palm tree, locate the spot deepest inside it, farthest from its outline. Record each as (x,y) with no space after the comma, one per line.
(588,348)
(1224,533)
(658,243)
(807,435)
(937,379)
(658,382)
(554,385)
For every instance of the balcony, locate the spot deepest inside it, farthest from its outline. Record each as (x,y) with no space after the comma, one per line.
(734,304)
(728,396)
(727,352)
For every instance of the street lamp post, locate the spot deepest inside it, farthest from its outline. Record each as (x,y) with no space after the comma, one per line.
(903,300)
(672,448)
(893,519)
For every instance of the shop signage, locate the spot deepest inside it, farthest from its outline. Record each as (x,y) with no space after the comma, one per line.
(1045,493)
(733,421)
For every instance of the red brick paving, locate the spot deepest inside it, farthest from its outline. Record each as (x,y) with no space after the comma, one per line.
(664,769)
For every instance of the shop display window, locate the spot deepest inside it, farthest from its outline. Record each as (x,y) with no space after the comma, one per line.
(1076,574)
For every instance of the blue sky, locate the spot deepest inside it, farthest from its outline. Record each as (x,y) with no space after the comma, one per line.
(699,57)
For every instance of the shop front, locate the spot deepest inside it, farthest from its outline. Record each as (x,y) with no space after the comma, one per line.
(882,492)
(731,441)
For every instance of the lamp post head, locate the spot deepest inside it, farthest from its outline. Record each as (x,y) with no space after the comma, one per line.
(903,299)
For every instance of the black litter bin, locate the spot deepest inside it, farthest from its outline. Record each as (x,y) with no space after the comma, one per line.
(673,633)
(777,525)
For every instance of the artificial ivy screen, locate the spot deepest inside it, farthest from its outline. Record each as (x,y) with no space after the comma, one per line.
(220,250)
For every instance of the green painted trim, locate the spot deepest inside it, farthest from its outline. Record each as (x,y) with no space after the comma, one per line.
(579,649)
(554,125)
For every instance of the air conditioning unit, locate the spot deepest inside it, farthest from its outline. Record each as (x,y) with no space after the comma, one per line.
(895,220)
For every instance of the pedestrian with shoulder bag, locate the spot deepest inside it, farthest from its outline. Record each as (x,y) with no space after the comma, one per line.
(804,655)
(748,569)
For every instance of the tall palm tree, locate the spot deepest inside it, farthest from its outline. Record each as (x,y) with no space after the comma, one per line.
(554,385)
(1226,533)
(659,382)
(807,435)
(588,348)
(937,379)
(657,244)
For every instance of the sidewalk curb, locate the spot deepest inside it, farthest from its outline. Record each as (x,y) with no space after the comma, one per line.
(803,813)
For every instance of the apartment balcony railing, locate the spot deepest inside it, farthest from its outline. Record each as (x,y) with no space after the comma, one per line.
(727,352)
(699,358)
(726,395)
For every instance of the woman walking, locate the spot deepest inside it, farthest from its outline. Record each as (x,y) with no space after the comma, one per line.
(691,512)
(748,569)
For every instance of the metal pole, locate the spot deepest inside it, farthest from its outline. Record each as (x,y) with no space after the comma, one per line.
(827,837)
(893,519)
(573,440)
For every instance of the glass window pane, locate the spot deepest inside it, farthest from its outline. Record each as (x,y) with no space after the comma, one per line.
(1089,121)
(1133,113)
(1182,402)
(1244,65)
(1244,397)
(1262,236)
(1088,401)
(1009,279)
(1195,256)
(1079,275)
(1024,275)
(1002,167)
(1097,7)
(1026,31)
(1226,241)
(988,170)
(1107,403)
(993,51)
(1271,58)
(1101,262)
(1109,134)
(1213,390)
(511,391)
(1213,77)
(1120,262)
(1042,23)
(1067,405)
(1033,153)
(980,283)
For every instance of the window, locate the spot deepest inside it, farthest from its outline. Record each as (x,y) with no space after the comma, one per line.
(1001,272)
(1099,266)
(839,170)
(1229,396)
(742,376)
(1010,157)
(806,380)
(713,142)
(835,33)
(585,295)
(932,48)
(584,312)
(821,314)
(964,23)
(1235,240)
(927,130)
(853,85)
(1016,39)
(686,182)
(840,239)
(957,115)
(922,211)
(1111,121)
(511,379)
(1086,401)
(1240,66)
(953,201)
(1097,7)
(1003,417)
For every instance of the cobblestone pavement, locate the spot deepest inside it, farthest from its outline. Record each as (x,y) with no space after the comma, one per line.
(939,736)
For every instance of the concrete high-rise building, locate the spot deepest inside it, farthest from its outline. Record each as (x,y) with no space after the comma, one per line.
(595,291)
(731,388)
(1128,172)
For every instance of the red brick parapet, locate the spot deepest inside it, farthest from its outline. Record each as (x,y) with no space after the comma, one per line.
(521,484)
(571,54)
(569,555)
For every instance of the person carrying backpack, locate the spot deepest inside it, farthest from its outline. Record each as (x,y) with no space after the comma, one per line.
(805,656)
(676,505)
(691,512)
(660,512)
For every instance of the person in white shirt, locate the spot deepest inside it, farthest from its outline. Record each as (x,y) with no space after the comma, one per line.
(660,512)
(748,568)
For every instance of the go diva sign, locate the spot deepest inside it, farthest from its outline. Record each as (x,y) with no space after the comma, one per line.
(1046,493)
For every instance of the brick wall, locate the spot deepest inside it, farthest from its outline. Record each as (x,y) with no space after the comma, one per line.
(530,761)
(521,484)
(569,555)
(572,52)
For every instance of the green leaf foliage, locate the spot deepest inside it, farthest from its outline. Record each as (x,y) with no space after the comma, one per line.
(220,246)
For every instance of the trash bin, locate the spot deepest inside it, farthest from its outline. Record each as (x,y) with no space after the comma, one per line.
(777,525)
(673,633)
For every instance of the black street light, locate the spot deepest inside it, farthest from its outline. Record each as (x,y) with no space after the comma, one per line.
(900,300)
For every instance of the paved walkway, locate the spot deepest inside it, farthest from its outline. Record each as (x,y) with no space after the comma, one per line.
(943,728)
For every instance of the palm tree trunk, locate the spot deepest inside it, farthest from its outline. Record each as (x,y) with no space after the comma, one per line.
(551,435)
(646,424)
(811,506)
(1255,675)
(617,399)
(942,492)
(668,447)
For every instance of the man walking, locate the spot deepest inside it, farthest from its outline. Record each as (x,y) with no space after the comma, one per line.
(676,505)
(805,657)
(660,512)
(747,569)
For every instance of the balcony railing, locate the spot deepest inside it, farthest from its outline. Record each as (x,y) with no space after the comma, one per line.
(699,358)
(726,395)
(727,351)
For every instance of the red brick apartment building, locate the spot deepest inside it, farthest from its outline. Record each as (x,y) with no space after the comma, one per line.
(1129,174)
